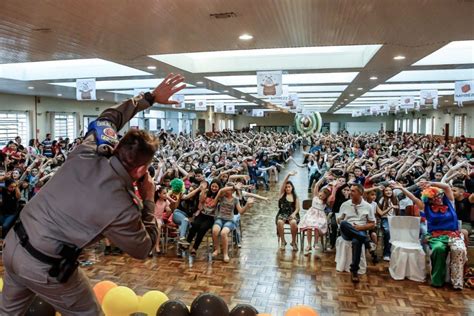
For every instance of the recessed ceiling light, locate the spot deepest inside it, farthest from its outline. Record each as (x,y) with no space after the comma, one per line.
(351,95)
(102,99)
(243,97)
(245,37)
(199,82)
(225,91)
(360,89)
(399,57)
(151,67)
(60,95)
(446,101)
(345,99)
(31,88)
(373,78)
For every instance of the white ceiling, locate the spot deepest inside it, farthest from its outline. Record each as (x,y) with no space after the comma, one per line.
(328,50)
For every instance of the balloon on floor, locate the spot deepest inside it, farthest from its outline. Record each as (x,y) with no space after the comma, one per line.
(40,308)
(307,124)
(120,300)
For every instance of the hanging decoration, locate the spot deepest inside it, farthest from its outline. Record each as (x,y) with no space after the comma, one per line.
(308,123)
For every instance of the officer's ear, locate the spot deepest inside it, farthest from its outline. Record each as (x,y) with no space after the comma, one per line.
(138,172)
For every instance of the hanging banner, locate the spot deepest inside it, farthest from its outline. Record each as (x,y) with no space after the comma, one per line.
(293,101)
(374,110)
(219,107)
(429,97)
(85,89)
(367,112)
(180,99)
(464,91)
(258,113)
(200,105)
(230,109)
(269,83)
(407,103)
(384,108)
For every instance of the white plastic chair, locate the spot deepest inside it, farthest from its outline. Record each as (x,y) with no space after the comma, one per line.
(344,256)
(407,258)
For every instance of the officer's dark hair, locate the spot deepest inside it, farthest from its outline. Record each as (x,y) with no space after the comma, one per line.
(136,149)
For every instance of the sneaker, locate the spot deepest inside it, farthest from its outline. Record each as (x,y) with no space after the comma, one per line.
(117,251)
(386,258)
(295,247)
(183,242)
(239,245)
(226,259)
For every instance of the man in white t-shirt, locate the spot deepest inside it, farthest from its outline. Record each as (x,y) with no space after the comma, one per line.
(356,218)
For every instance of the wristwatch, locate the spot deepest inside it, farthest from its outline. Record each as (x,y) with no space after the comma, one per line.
(149,97)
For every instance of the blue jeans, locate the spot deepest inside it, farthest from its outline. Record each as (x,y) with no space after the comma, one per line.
(7,222)
(358,238)
(386,237)
(181,219)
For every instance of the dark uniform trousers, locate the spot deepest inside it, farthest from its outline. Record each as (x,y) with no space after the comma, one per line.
(90,197)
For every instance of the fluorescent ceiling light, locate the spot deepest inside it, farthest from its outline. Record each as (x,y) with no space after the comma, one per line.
(296,89)
(401,93)
(310,95)
(322,57)
(120,84)
(306,78)
(373,78)
(433,75)
(413,86)
(151,67)
(399,57)
(67,69)
(454,53)
(245,37)
(208,97)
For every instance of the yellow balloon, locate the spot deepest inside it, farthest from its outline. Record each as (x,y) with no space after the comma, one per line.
(151,301)
(1,285)
(120,301)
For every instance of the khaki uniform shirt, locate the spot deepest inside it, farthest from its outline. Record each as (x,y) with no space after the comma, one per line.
(89,198)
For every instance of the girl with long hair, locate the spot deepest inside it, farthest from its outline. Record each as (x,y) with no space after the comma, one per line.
(288,212)
(388,206)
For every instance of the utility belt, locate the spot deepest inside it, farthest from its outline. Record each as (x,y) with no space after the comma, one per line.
(61,268)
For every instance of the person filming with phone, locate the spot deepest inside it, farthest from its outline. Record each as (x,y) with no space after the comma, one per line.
(89,198)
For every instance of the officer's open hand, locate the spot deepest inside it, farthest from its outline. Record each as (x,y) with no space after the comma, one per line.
(167,88)
(147,188)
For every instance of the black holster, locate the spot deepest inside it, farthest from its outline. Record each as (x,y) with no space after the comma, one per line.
(67,265)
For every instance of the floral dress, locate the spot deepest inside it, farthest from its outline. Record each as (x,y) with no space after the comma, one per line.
(315,217)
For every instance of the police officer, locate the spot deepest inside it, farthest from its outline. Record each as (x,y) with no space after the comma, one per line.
(89,198)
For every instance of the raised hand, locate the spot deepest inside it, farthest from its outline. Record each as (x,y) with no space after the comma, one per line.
(167,88)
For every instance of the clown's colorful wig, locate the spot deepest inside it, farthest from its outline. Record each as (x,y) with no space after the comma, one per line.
(430,193)
(177,185)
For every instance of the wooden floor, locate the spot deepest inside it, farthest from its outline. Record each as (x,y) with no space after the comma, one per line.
(273,280)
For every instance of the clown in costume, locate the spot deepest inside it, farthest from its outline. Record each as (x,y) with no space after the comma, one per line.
(444,236)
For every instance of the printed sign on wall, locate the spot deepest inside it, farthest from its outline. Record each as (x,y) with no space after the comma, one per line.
(407,103)
(269,83)
(429,97)
(85,89)
(180,99)
(230,109)
(200,105)
(258,113)
(219,107)
(464,91)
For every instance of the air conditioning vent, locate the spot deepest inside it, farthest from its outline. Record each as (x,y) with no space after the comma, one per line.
(225,15)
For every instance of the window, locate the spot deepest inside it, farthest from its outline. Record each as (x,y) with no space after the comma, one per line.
(416,126)
(221,125)
(230,124)
(13,124)
(64,125)
(429,126)
(397,125)
(459,125)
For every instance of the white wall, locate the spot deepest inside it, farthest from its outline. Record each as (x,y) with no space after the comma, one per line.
(443,116)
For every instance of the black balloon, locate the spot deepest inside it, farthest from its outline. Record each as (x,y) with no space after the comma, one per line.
(243,310)
(40,308)
(208,304)
(173,308)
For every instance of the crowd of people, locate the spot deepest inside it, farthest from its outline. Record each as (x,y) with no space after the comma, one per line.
(204,184)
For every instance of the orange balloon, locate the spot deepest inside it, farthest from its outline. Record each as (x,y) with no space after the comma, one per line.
(264,314)
(301,310)
(101,288)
